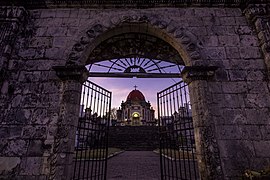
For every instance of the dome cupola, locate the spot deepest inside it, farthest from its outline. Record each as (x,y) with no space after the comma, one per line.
(135,95)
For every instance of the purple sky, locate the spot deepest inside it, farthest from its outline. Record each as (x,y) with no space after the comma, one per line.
(121,87)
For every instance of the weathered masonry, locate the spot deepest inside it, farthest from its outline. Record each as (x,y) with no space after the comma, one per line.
(45,45)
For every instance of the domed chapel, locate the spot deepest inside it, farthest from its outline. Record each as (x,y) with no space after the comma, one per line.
(135,111)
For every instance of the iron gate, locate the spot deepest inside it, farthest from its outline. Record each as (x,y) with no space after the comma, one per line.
(91,145)
(177,143)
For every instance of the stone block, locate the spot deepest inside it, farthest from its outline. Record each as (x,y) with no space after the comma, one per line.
(199,31)
(220,12)
(211,21)
(16,148)
(60,41)
(262,148)
(234,116)
(232,169)
(216,53)
(41,31)
(237,149)
(241,21)
(256,75)
(15,132)
(35,14)
(9,164)
(227,21)
(248,65)
(70,22)
(257,116)
(39,116)
(250,52)
(232,41)
(230,132)
(48,13)
(238,75)
(250,132)
(74,13)
(221,30)
(62,13)
(84,13)
(28,132)
(27,53)
(35,148)
(195,22)
(31,166)
(234,87)
(210,41)
(4,132)
(265,131)
(41,42)
(234,12)
(204,12)
(235,100)
(244,30)
(55,53)
(17,116)
(257,100)
(257,87)
(232,52)
(249,40)
(72,31)
(215,87)
(57,31)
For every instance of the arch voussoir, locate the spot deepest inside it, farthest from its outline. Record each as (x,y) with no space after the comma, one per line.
(181,39)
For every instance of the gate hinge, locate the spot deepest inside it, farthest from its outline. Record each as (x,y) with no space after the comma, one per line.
(191,73)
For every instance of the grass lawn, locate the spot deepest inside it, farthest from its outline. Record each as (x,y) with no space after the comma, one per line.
(96,153)
(177,154)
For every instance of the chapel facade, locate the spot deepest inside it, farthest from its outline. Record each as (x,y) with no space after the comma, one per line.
(135,111)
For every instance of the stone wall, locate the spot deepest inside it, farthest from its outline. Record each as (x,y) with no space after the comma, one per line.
(231,110)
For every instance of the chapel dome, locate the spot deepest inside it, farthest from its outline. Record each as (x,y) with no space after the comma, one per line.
(135,95)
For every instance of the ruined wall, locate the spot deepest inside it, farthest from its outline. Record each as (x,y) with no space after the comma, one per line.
(231,111)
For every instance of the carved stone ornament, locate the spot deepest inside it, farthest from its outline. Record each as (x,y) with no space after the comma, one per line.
(255,10)
(12,13)
(186,38)
(75,72)
(134,19)
(191,73)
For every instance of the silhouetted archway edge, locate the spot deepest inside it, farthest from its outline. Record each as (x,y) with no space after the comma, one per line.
(183,41)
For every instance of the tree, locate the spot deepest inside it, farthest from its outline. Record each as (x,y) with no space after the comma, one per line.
(114,113)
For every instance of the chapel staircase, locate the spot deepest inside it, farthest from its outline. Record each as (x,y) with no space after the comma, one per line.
(134,138)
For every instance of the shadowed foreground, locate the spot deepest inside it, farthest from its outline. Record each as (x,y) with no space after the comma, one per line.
(134,165)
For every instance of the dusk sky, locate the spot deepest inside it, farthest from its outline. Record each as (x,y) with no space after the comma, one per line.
(121,87)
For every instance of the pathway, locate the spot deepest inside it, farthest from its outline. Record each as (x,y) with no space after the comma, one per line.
(134,165)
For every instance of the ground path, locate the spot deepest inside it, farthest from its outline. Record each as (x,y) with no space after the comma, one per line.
(134,165)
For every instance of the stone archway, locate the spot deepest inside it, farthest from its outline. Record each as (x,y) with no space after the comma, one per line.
(188,47)
(180,39)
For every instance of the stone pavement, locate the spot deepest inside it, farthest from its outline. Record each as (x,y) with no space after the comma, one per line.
(134,165)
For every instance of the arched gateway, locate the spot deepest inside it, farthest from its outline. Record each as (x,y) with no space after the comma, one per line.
(49,51)
(142,46)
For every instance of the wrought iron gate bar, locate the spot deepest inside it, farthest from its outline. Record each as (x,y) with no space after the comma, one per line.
(92,133)
(177,147)
(138,75)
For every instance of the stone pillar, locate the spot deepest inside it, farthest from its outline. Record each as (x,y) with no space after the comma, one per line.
(61,161)
(207,149)
(258,16)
